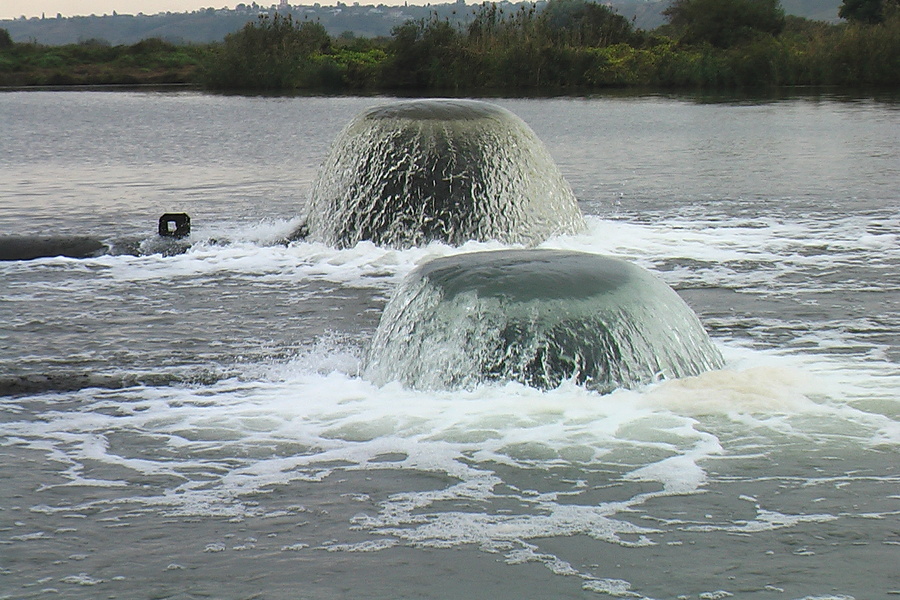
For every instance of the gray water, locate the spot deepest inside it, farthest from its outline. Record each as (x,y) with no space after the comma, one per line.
(196,425)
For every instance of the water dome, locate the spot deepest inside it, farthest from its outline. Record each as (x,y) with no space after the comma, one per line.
(439,170)
(538,317)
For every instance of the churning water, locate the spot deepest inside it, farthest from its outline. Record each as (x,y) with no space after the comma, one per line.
(539,317)
(419,171)
(196,425)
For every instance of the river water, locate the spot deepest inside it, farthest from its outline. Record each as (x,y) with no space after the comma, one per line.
(194,425)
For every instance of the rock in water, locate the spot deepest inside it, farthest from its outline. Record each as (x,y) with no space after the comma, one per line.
(31,247)
(440,170)
(538,317)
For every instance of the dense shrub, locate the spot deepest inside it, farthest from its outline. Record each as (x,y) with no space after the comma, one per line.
(424,54)
(6,40)
(867,11)
(864,54)
(583,24)
(567,46)
(273,53)
(725,23)
(97,62)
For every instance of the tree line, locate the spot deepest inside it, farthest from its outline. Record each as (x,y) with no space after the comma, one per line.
(572,45)
(96,62)
(561,46)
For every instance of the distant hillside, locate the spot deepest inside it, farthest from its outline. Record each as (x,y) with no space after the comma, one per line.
(212,25)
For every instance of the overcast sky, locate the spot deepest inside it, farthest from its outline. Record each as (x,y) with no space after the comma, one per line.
(13,9)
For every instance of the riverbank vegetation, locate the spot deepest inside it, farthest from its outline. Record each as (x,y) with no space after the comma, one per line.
(565,45)
(95,62)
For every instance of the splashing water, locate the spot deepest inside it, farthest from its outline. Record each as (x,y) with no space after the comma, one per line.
(268,467)
(445,170)
(538,317)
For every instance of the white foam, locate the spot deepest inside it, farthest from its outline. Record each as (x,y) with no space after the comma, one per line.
(330,416)
(759,389)
(363,265)
(308,418)
(82,579)
(758,253)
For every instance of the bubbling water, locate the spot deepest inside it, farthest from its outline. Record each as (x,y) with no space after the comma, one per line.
(538,317)
(440,170)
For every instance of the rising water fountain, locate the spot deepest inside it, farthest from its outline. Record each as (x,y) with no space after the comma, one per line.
(414,172)
(459,170)
(538,317)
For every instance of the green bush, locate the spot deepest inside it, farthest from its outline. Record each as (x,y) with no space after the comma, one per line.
(6,40)
(725,23)
(867,11)
(568,45)
(359,69)
(49,61)
(424,54)
(865,54)
(270,54)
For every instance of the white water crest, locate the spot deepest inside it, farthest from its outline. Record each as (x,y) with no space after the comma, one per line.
(538,317)
(450,170)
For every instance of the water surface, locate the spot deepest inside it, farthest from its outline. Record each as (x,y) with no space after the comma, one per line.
(226,446)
